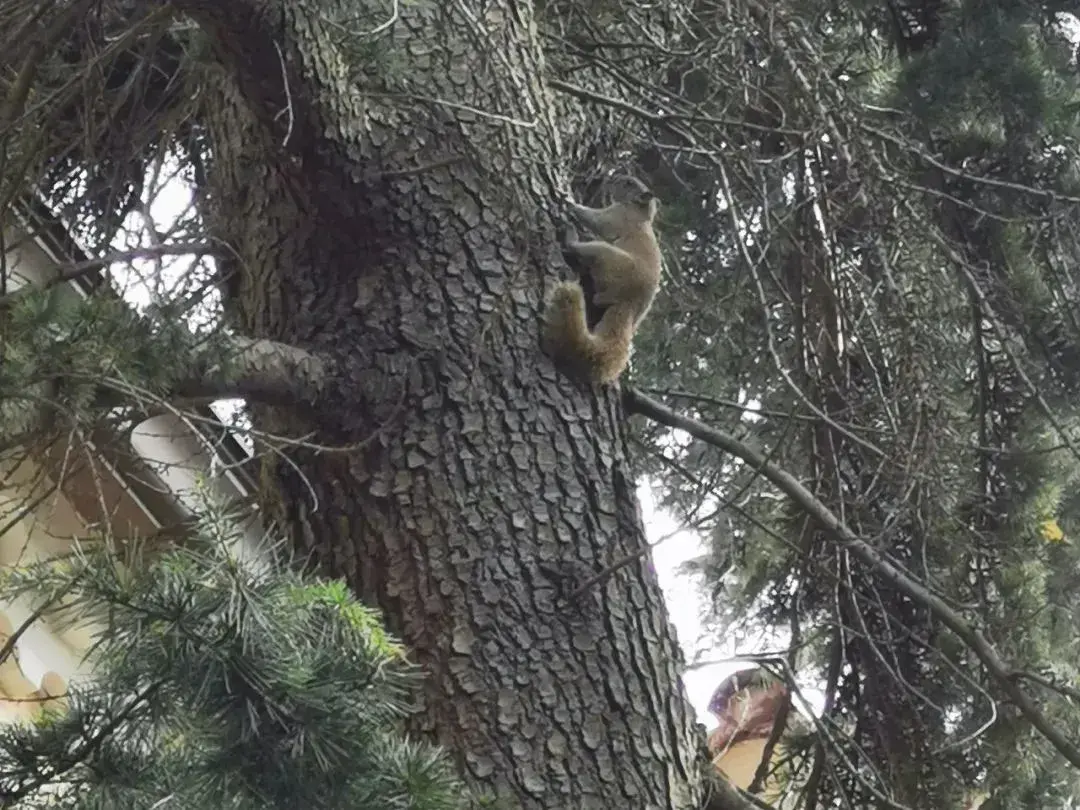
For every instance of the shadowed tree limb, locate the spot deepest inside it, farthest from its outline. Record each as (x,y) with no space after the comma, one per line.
(262,370)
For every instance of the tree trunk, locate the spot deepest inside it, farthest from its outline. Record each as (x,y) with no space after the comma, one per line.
(388,197)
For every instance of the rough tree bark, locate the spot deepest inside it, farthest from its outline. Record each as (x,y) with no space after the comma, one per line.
(388,194)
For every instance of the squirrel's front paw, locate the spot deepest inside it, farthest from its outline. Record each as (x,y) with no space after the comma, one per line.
(568,236)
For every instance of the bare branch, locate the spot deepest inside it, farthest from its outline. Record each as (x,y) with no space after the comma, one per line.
(1002,673)
(922,154)
(261,370)
(76,270)
(665,118)
(1064,689)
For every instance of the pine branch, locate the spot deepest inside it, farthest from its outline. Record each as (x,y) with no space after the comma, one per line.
(1002,673)
(208,670)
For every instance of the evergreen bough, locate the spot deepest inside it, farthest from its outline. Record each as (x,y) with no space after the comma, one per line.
(219,682)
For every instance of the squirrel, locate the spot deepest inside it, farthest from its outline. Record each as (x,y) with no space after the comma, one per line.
(625,274)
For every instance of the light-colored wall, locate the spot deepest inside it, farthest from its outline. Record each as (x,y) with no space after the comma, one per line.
(181,458)
(35,525)
(39,520)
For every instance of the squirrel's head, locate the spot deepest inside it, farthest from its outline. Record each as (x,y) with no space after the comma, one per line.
(641,204)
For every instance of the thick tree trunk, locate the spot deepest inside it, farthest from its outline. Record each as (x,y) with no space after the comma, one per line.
(484,489)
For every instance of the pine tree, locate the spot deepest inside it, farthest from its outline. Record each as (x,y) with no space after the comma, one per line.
(219,681)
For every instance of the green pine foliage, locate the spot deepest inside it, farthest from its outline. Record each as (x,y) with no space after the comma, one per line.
(220,681)
(70,358)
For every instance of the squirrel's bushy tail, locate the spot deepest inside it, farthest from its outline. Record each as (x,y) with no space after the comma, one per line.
(599,356)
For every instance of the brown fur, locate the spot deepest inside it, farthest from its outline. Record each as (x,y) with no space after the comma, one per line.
(625,270)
